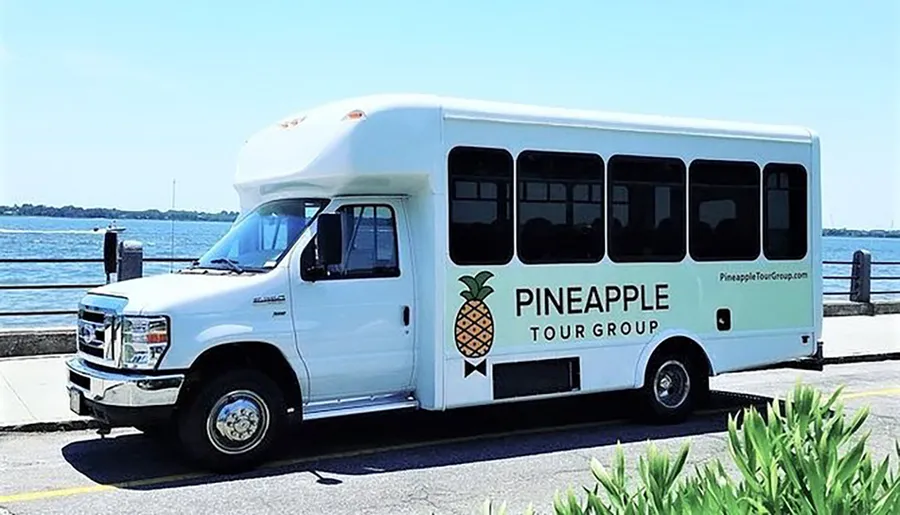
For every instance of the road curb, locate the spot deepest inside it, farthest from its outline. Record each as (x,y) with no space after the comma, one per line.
(862,358)
(813,364)
(51,427)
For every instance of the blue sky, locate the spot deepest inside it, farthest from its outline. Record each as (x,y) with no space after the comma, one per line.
(105,103)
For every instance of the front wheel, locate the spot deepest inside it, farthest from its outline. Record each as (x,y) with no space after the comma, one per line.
(230,424)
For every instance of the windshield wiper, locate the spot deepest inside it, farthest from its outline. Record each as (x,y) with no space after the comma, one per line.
(230,262)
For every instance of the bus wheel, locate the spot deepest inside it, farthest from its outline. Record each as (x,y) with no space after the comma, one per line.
(232,421)
(670,387)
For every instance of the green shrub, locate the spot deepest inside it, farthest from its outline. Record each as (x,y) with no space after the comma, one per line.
(804,457)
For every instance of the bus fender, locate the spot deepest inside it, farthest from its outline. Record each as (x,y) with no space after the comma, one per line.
(668,335)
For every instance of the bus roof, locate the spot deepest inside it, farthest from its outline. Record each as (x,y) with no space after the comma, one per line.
(453,107)
(315,151)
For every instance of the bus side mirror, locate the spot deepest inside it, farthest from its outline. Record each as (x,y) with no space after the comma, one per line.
(330,239)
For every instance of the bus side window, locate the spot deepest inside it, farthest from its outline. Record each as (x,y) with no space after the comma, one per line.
(647,209)
(559,207)
(785,216)
(370,246)
(480,206)
(724,210)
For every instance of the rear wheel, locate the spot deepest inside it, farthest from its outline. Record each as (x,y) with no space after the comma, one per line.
(673,385)
(231,422)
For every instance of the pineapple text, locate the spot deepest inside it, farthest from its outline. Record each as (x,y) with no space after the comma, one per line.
(576,300)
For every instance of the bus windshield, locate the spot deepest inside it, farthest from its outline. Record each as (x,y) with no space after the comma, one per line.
(258,241)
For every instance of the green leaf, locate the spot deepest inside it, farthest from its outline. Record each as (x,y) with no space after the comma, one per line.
(615,483)
(850,463)
(737,450)
(568,507)
(890,503)
(488,508)
(858,420)
(482,277)
(596,505)
(466,294)
(471,283)
(678,466)
(831,400)
(484,292)
(877,479)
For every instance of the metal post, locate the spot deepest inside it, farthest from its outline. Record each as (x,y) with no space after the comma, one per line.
(131,260)
(110,245)
(861,277)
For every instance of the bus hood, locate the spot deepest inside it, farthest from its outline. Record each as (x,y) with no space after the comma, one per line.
(179,293)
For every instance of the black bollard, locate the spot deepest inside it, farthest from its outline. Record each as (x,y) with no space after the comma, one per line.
(110,247)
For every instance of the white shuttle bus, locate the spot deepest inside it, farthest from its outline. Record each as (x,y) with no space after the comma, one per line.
(419,252)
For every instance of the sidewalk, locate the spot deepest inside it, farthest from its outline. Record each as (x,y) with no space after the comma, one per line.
(32,393)
(33,396)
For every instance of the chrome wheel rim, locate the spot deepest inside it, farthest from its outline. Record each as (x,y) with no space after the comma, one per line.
(237,422)
(672,384)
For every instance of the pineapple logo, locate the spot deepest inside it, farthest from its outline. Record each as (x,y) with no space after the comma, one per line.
(474,322)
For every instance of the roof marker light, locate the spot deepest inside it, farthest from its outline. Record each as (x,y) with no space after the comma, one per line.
(291,123)
(356,114)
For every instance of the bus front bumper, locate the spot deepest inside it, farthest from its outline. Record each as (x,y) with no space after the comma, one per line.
(121,399)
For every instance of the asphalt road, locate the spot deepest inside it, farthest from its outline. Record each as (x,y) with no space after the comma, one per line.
(406,463)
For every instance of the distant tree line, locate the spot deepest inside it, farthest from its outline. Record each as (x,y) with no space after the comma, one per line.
(863,233)
(116,214)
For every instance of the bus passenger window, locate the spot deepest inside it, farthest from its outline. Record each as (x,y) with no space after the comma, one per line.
(480,206)
(646,209)
(559,207)
(725,210)
(785,211)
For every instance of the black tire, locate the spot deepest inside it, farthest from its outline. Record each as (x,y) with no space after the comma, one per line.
(256,401)
(681,383)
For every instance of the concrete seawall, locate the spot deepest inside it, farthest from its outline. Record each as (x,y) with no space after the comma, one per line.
(36,341)
(854,309)
(61,340)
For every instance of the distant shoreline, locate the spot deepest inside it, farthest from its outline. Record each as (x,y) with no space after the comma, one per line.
(116,214)
(862,233)
(230,216)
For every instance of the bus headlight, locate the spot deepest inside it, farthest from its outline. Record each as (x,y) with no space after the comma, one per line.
(144,340)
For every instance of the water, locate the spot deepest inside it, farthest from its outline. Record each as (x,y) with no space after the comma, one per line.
(22,237)
(26,237)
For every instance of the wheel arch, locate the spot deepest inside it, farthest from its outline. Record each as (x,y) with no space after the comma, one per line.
(255,354)
(672,340)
